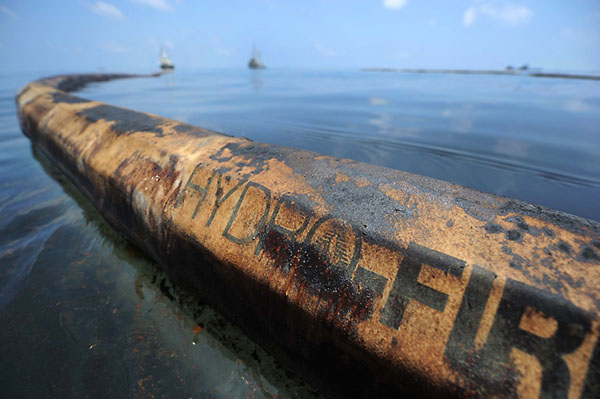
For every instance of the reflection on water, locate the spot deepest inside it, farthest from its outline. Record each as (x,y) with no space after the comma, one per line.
(256,79)
(21,253)
(82,313)
(534,139)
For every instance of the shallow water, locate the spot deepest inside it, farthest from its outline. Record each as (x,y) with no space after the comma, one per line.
(83,313)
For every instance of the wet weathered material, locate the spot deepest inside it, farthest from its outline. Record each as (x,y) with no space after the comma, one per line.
(386,280)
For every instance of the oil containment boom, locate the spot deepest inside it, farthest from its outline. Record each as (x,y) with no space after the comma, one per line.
(382,280)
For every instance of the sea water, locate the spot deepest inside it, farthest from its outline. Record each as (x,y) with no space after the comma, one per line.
(83,313)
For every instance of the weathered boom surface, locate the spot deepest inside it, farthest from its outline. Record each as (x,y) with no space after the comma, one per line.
(390,280)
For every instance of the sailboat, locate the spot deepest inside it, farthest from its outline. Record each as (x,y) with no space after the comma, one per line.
(164,61)
(255,61)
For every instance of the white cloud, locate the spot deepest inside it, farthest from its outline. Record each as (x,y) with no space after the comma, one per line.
(469,16)
(324,50)
(114,47)
(162,5)
(107,10)
(394,4)
(509,14)
(7,11)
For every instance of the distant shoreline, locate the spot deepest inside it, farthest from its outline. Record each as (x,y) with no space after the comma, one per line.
(487,72)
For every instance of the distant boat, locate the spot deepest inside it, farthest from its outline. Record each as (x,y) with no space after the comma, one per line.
(255,61)
(164,61)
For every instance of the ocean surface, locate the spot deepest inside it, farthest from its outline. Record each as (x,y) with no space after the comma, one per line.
(84,314)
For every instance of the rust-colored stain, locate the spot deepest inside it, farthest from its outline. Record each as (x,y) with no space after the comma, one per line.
(198,328)
(411,279)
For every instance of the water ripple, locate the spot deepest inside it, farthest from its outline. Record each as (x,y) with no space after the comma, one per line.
(20,255)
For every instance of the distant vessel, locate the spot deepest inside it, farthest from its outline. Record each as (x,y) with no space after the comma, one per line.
(255,61)
(164,61)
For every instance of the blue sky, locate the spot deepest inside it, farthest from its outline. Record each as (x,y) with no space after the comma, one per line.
(88,35)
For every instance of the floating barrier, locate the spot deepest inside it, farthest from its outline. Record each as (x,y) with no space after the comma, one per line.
(381,280)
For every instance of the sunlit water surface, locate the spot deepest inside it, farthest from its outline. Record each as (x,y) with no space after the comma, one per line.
(82,313)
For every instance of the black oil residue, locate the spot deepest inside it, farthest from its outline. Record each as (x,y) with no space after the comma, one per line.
(313,272)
